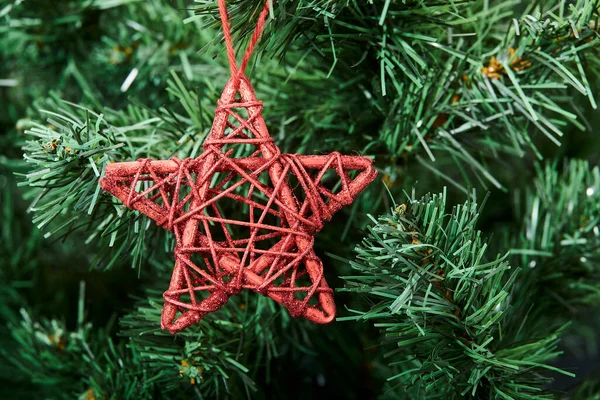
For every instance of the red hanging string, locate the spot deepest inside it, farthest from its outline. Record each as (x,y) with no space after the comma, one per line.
(260,25)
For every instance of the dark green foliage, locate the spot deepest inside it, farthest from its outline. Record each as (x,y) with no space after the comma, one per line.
(219,356)
(418,68)
(587,390)
(470,94)
(559,243)
(65,363)
(445,305)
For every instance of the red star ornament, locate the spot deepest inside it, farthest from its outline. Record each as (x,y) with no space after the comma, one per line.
(284,200)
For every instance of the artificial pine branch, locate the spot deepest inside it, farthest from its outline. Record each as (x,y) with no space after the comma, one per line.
(445,118)
(83,362)
(478,89)
(102,50)
(386,79)
(559,241)
(444,307)
(66,159)
(219,356)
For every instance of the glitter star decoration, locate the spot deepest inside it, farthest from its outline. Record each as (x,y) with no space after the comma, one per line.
(243,214)
(284,200)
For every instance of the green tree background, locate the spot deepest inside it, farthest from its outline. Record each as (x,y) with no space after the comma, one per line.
(469,268)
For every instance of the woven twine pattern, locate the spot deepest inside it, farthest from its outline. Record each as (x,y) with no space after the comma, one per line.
(284,199)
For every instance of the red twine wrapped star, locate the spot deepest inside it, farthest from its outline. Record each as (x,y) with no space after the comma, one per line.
(284,200)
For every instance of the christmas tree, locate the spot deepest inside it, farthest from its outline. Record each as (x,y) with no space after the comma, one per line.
(469,267)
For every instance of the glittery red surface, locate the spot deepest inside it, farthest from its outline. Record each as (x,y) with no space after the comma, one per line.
(284,200)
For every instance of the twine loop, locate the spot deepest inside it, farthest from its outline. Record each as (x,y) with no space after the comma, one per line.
(238,72)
